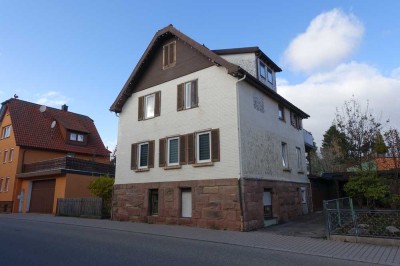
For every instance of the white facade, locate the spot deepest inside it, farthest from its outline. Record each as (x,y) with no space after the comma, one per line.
(224,103)
(262,134)
(217,109)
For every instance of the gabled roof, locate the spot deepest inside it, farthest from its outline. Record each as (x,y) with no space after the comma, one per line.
(244,50)
(232,69)
(32,128)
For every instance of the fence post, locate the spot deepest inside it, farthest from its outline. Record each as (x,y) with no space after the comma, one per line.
(327,227)
(353,216)
(58,207)
(338,213)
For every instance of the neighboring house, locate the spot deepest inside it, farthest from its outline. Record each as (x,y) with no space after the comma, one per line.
(205,140)
(45,154)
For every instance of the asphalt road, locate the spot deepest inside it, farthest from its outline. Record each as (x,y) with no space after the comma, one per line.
(24,242)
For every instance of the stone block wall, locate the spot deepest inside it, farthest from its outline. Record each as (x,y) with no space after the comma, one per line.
(215,203)
(286,201)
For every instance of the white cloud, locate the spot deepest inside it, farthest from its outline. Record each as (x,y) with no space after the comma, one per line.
(329,39)
(395,73)
(322,93)
(52,98)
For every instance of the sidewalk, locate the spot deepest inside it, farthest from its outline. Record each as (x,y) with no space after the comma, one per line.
(385,255)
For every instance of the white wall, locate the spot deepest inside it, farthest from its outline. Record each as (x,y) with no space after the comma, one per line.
(246,61)
(261,136)
(217,109)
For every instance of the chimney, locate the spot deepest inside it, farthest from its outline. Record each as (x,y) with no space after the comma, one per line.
(64,107)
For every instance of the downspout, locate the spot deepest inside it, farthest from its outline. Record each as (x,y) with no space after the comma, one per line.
(240,180)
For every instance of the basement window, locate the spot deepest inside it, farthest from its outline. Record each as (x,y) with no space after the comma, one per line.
(153,201)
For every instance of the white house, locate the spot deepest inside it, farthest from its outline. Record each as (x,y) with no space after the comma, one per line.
(204,139)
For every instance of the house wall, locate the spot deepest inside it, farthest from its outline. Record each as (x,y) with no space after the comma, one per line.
(261,135)
(8,168)
(247,61)
(383,163)
(217,109)
(285,197)
(215,203)
(77,186)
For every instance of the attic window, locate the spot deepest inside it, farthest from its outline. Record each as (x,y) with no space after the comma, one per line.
(6,131)
(169,55)
(74,136)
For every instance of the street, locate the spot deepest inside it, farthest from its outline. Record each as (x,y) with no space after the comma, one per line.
(27,242)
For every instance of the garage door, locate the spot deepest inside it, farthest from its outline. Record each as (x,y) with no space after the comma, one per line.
(42,196)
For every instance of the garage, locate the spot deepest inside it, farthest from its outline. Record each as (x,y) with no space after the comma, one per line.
(42,196)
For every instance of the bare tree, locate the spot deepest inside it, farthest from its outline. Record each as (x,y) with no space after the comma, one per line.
(360,128)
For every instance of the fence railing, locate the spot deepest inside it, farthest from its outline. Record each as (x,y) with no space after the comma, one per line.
(70,163)
(342,219)
(80,207)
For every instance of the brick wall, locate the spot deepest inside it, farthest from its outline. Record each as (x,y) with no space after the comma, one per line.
(215,203)
(286,201)
(387,163)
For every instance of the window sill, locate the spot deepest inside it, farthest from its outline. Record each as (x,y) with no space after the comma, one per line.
(282,120)
(171,167)
(142,170)
(287,170)
(203,164)
(300,172)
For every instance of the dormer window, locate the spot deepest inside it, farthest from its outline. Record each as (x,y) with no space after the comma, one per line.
(263,73)
(270,76)
(77,138)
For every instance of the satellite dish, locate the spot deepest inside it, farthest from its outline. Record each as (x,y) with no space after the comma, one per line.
(42,108)
(53,124)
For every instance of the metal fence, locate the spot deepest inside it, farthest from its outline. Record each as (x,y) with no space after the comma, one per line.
(80,207)
(342,219)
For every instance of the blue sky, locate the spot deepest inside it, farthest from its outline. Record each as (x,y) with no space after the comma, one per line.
(82,52)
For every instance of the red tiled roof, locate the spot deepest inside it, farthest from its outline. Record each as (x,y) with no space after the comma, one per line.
(32,128)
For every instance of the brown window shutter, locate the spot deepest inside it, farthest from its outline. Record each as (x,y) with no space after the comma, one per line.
(161,156)
(191,151)
(165,56)
(151,154)
(215,154)
(194,94)
(134,156)
(182,149)
(179,105)
(172,53)
(141,108)
(157,109)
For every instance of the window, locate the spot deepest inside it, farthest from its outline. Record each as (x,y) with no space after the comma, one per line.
(143,155)
(5,156)
(149,106)
(284,155)
(7,184)
(169,55)
(173,151)
(1,184)
(186,202)
(299,164)
(267,202)
(262,71)
(187,95)
(153,201)
(270,76)
(6,131)
(281,113)
(295,120)
(303,195)
(74,136)
(203,147)
(11,155)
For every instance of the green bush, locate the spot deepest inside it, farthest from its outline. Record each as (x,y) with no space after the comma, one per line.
(367,187)
(102,187)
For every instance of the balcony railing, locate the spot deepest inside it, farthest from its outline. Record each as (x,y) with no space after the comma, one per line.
(69,163)
(308,139)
